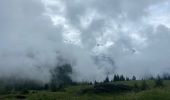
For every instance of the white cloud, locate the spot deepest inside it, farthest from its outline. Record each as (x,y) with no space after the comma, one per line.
(135,34)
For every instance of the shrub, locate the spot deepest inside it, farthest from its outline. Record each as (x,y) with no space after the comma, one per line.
(159,82)
(144,85)
(136,87)
(105,88)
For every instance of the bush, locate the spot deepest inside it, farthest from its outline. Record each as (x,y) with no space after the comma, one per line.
(21,97)
(55,88)
(46,86)
(159,82)
(24,91)
(144,85)
(107,88)
(136,87)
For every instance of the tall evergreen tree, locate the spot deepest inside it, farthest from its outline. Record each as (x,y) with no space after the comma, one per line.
(127,79)
(122,78)
(60,76)
(106,80)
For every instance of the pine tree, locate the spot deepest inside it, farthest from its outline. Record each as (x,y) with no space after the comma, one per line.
(118,78)
(127,79)
(106,80)
(122,78)
(133,78)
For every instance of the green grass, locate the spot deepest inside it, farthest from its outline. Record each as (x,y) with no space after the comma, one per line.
(72,93)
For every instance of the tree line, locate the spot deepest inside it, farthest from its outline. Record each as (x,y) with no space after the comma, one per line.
(60,77)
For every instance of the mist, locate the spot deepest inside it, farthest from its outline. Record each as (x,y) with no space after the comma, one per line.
(97,38)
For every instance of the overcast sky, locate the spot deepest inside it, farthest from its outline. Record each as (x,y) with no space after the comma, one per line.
(96,37)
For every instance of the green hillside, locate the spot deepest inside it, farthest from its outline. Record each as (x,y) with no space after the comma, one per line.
(74,93)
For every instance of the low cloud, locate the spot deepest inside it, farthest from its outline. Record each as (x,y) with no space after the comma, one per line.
(96,37)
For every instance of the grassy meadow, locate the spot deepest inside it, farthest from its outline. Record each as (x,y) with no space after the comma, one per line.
(73,93)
